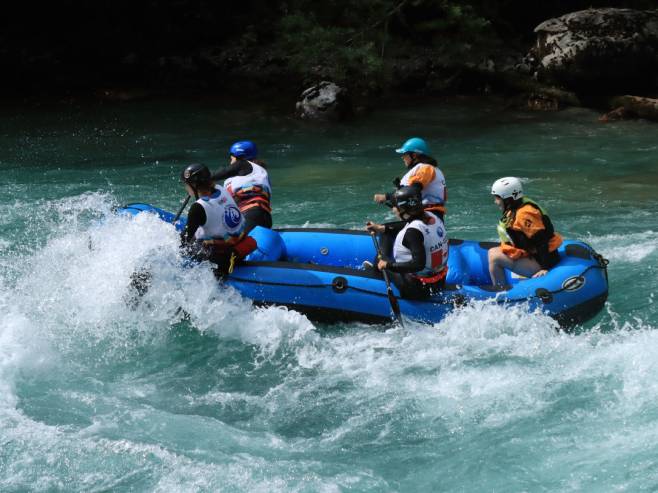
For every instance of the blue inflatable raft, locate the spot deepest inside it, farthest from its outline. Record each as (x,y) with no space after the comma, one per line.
(318,272)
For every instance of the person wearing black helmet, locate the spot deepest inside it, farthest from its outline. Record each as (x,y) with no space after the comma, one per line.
(415,249)
(247,180)
(215,228)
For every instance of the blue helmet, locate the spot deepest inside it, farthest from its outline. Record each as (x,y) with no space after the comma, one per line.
(245,149)
(414,144)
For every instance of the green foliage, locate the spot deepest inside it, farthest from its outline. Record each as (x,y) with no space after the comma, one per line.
(342,53)
(350,41)
(449,25)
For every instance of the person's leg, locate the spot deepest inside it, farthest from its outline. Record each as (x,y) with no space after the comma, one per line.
(526,267)
(410,288)
(498,262)
(386,241)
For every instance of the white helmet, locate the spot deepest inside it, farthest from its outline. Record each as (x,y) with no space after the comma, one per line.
(507,187)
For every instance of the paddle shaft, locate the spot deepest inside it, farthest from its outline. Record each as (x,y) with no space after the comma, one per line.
(389,291)
(182,208)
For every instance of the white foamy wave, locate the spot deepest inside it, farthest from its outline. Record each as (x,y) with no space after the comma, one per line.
(208,458)
(631,248)
(77,286)
(475,363)
(490,366)
(43,219)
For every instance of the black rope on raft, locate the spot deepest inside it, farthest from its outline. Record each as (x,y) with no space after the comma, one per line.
(546,295)
(602,263)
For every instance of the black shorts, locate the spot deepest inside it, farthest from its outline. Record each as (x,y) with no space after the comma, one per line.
(549,261)
(412,288)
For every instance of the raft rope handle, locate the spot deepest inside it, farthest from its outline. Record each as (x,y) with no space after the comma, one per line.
(602,263)
(315,286)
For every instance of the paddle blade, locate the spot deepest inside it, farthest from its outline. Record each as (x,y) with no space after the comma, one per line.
(395,306)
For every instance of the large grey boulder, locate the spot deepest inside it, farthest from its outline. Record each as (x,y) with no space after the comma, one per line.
(610,47)
(324,101)
(632,107)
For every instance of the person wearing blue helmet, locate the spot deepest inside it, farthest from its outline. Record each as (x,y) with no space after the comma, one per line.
(248,182)
(423,173)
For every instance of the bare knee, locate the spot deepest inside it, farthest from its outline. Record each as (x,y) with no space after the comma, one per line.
(495,255)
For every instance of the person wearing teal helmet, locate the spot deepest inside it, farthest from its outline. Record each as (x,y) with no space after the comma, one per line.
(423,173)
(415,145)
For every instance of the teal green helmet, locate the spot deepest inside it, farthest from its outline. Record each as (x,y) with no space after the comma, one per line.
(414,144)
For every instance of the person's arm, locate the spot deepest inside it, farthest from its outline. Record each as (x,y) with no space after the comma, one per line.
(241,167)
(394,227)
(387,198)
(195,218)
(413,240)
(422,176)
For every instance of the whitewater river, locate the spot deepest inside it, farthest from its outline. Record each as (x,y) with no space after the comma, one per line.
(97,397)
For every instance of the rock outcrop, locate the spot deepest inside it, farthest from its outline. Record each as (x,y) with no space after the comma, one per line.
(600,49)
(632,107)
(325,101)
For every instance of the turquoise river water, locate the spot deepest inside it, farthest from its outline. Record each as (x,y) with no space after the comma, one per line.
(97,397)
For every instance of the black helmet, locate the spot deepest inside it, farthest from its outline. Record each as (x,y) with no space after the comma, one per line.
(196,174)
(408,201)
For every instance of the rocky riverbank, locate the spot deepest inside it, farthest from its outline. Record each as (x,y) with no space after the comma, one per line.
(583,58)
(331,71)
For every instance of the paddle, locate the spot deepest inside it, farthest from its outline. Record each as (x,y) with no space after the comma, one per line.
(140,280)
(182,208)
(389,292)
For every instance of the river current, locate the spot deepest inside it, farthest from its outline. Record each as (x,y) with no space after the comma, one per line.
(97,397)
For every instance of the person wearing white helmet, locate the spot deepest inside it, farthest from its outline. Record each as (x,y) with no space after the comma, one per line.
(528,241)
(423,173)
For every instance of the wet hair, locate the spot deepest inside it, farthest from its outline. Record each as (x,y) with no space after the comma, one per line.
(512,203)
(423,158)
(259,162)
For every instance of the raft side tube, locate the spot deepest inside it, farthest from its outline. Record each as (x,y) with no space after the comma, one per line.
(318,272)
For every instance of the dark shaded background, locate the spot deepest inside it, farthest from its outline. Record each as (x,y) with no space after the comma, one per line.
(72,46)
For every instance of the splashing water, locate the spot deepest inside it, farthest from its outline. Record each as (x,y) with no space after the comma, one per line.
(195,389)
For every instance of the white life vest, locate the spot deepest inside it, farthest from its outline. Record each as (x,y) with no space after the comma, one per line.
(223,218)
(435,241)
(435,191)
(251,190)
